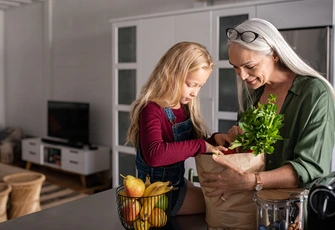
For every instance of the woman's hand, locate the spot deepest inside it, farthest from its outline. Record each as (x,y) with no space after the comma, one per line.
(230,180)
(234,131)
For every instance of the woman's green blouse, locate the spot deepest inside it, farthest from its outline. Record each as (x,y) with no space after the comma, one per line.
(308,131)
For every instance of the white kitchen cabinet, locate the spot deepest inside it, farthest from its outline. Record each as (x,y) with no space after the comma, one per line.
(156,36)
(297,14)
(82,161)
(198,30)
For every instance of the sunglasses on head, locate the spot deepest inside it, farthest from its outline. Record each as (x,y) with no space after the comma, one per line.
(246,36)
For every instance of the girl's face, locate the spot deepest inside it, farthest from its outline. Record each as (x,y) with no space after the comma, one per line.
(252,67)
(193,83)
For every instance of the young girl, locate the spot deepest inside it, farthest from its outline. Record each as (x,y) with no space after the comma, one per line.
(166,125)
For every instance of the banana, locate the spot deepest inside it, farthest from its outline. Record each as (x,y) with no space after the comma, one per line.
(147,181)
(150,202)
(147,207)
(141,225)
(161,189)
(154,185)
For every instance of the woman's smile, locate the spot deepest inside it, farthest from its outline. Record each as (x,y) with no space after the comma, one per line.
(251,80)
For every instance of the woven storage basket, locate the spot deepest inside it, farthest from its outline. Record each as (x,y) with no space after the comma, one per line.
(25,195)
(5,189)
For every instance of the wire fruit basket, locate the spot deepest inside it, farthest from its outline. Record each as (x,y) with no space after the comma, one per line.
(144,213)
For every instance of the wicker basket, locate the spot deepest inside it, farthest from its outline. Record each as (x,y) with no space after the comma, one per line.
(25,195)
(5,189)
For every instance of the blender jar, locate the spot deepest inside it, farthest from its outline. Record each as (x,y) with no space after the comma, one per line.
(280,209)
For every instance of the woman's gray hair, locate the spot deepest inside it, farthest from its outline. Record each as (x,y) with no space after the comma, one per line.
(271,41)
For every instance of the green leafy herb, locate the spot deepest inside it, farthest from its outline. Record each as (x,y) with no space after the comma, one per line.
(261,128)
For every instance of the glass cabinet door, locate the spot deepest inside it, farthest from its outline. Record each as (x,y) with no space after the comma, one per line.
(124,80)
(224,23)
(126,44)
(227,100)
(227,90)
(126,86)
(224,84)
(126,165)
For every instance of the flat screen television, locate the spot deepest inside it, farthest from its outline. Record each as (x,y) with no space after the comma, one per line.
(69,121)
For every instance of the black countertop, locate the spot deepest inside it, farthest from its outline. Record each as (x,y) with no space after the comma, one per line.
(97,211)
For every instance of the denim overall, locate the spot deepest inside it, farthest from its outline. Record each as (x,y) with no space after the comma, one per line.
(175,172)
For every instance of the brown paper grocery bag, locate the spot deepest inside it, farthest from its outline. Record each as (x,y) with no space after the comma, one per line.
(238,212)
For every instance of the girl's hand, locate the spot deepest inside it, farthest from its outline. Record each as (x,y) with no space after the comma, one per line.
(215,149)
(222,139)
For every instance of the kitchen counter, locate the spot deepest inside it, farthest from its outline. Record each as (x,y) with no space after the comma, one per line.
(97,211)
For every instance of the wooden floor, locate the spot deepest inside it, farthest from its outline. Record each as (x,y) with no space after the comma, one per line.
(94,183)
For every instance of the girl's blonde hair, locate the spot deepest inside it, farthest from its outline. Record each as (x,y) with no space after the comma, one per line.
(165,85)
(271,41)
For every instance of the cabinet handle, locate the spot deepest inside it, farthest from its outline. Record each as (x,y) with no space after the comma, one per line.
(32,143)
(73,151)
(32,153)
(73,162)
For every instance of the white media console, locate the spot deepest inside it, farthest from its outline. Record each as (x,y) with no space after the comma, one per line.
(83,161)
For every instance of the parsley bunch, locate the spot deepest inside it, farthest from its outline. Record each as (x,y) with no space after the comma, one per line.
(261,128)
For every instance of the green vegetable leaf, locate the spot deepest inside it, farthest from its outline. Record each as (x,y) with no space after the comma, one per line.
(261,128)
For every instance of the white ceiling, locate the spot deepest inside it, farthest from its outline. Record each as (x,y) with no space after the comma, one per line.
(9,4)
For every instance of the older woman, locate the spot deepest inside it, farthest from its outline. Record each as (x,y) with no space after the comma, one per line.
(266,64)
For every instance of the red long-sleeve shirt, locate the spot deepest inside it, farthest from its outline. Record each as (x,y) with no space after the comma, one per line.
(156,138)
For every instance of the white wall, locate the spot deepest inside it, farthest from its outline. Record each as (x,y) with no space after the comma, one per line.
(77,38)
(24,83)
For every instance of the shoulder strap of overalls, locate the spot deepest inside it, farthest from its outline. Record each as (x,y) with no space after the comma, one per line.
(170,116)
